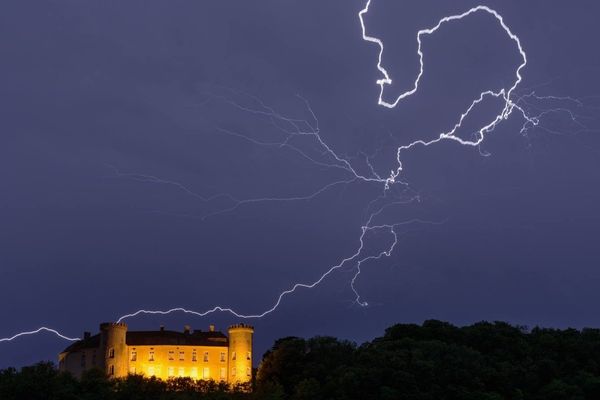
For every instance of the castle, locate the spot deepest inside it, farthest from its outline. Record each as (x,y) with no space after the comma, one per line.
(164,354)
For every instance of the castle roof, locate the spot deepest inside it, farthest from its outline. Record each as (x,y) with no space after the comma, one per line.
(89,343)
(158,338)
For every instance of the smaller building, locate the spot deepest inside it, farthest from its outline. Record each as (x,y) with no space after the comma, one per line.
(164,354)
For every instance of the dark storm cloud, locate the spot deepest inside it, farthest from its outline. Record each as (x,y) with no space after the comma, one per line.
(90,86)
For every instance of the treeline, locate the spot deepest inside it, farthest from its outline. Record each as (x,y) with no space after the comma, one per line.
(484,361)
(433,361)
(43,382)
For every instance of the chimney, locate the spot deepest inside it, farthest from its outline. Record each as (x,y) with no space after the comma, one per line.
(211,328)
(187,329)
(86,335)
(162,328)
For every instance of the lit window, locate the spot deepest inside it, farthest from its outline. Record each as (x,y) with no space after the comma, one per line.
(248,371)
(151,355)
(233,356)
(133,355)
(222,356)
(132,370)
(248,356)
(223,374)
(111,370)
(206,356)
(83,360)
(171,355)
(181,371)
(151,371)
(194,373)
(194,356)
(181,356)
(111,353)
(233,371)
(171,371)
(205,373)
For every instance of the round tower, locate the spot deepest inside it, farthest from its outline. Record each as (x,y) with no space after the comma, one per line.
(240,353)
(114,346)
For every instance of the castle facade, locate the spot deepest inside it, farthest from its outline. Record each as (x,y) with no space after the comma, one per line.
(164,354)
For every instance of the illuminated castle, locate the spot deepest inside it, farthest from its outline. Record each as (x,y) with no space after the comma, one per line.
(164,354)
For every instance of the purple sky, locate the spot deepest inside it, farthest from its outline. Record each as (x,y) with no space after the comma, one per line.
(98,93)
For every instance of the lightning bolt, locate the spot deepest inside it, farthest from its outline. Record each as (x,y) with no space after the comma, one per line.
(42,329)
(504,93)
(299,128)
(293,128)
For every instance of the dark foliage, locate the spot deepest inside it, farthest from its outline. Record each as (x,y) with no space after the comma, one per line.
(43,382)
(484,361)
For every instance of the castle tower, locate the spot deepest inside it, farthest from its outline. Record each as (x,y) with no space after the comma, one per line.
(114,349)
(240,353)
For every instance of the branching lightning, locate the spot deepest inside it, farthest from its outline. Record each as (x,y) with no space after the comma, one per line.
(292,128)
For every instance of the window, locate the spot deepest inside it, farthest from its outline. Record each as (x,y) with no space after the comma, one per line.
(233,356)
(222,357)
(248,371)
(206,356)
(171,371)
(133,355)
(83,360)
(233,371)
(111,370)
(194,358)
(223,374)
(151,371)
(111,353)
(205,373)
(181,356)
(194,373)
(181,371)
(132,370)
(248,356)
(171,355)
(151,355)
(94,358)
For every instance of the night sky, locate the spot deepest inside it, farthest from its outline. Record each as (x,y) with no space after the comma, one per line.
(117,117)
